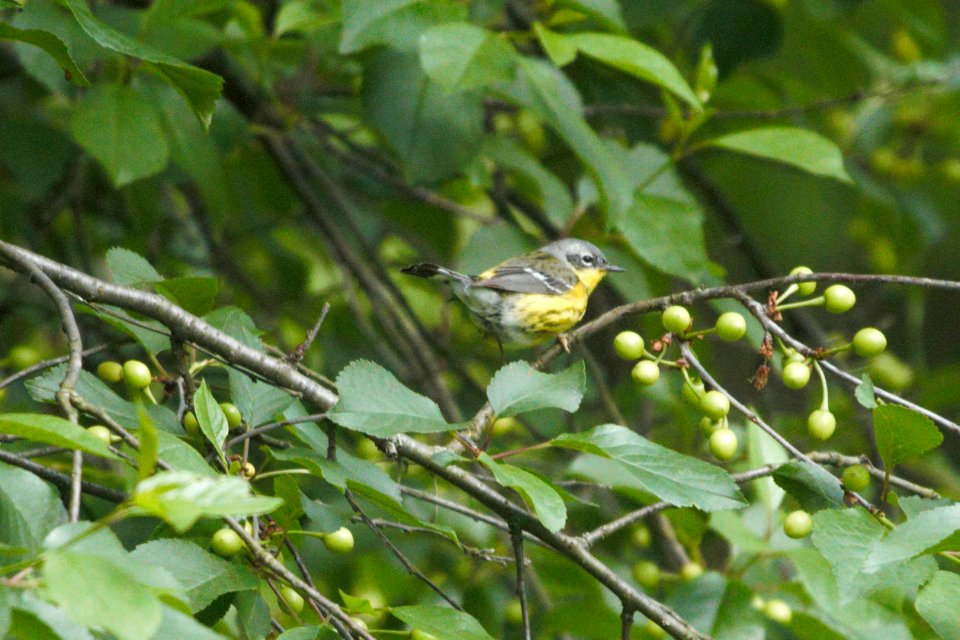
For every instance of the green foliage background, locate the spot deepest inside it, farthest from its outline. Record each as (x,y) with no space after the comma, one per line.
(266,158)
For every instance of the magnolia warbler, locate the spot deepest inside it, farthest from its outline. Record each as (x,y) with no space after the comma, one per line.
(526,299)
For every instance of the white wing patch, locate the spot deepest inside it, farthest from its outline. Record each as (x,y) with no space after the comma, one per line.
(547,281)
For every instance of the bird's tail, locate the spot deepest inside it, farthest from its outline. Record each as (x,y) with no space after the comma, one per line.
(427,270)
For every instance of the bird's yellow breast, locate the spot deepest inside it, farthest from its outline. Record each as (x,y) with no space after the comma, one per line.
(546,313)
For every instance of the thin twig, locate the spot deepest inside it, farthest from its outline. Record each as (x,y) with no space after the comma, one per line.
(304,346)
(75,365)
(626,622)
(409,566)
(487,555)
(516,539)
(266,559)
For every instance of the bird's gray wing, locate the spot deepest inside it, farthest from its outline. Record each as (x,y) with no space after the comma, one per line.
(526,275)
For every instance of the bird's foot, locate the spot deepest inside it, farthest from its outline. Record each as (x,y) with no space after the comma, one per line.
(565,341)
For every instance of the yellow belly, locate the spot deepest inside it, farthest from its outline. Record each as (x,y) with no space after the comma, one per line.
(543,313)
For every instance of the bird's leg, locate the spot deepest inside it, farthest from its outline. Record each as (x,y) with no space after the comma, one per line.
(565,341)
(500,345)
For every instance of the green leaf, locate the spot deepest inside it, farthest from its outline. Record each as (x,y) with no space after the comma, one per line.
(181,498)
(252,613)
(667,234)
(809,484)
(192,293)
(718,607)
(50,43)
(396,23)
(903,434)
(544,93)
(300,16)
(259,402)
(374,402)
(433,132)
(864,393)
(54,431)
(442,622)
(606,12)
(203,576)
(118,127)
(345,472)
(535,181)
(796,147)
(130,268)
(176,625)
(151,334)
(200,88)
(118,603)
(236,324)
(29,508)
(540,496)
(923,533)
(36,618)
(181,456)
(678,479)
(213,423)
(623,53)
(464,56)
(847,538)
(762,450)
(937,604)
(518,387)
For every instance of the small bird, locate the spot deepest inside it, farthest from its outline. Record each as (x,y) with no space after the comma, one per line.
(529,298)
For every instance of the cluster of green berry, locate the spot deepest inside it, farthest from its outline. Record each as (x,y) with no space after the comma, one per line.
(729,327)
(867,343)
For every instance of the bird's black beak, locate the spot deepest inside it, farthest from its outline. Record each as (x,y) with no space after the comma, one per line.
(614,268)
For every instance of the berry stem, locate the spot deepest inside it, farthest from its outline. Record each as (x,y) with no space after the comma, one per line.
(698,333)
(834,350)
(789,291)
(825,402)
(812,302)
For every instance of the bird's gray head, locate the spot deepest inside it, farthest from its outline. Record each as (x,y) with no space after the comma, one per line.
(580,254)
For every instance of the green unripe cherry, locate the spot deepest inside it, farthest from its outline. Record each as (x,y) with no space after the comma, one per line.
(804,288)
(839,298)
(647,574)
(136,374)
(723,444)
(645,372)
(869,342)
(798,524)
(691,571)
(641,536)
(513,613)
(340,541)
(796,375)
(293,599)
(821,424)
(778,611)
(416,634)
(191,425)
(653,630)
(676,319)
(503,426)
(856,478)
(23,356)
(110,371)
(714,404)
(101,433)
(731,326)
(227,543)
(234,419)
(628,345)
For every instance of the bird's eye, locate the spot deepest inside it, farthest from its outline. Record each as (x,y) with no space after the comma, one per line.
(586,259)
